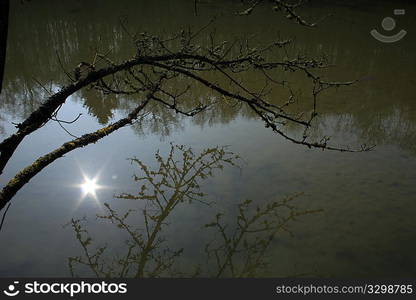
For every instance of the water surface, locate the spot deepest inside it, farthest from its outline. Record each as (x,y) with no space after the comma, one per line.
(366,228)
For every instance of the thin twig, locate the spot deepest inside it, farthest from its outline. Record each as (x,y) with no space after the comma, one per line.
(4,216)
(62,66)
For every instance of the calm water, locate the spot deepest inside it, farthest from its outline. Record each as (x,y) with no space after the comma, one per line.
(366,227)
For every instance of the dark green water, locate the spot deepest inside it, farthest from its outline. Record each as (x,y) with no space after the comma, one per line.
(367,226)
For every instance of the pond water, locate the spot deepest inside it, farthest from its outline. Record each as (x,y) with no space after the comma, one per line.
(365,226)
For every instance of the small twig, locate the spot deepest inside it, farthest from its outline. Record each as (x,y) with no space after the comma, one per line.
(67,122)
(4,216)
(249,10)
(66,130)
(62,66)
(42,86)
(123,26)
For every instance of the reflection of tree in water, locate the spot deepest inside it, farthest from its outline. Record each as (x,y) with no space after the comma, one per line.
(237,250)
(394,127)
(100,106)
(158,120)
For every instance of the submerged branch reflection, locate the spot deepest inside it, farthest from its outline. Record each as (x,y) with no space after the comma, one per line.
(237,247)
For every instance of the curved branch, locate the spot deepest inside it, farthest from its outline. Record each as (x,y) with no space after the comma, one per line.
(23,177)
(42,115)
(255,106)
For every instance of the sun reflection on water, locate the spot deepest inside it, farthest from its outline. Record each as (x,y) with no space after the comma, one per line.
(89,187)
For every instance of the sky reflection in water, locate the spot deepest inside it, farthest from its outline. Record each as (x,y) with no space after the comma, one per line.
(367,225)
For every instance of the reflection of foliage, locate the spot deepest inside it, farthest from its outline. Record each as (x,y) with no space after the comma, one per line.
(158,121)
(100,106)
(177,180)
(248,242)
(162,190)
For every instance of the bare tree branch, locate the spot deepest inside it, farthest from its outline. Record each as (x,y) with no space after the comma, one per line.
(23,177)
